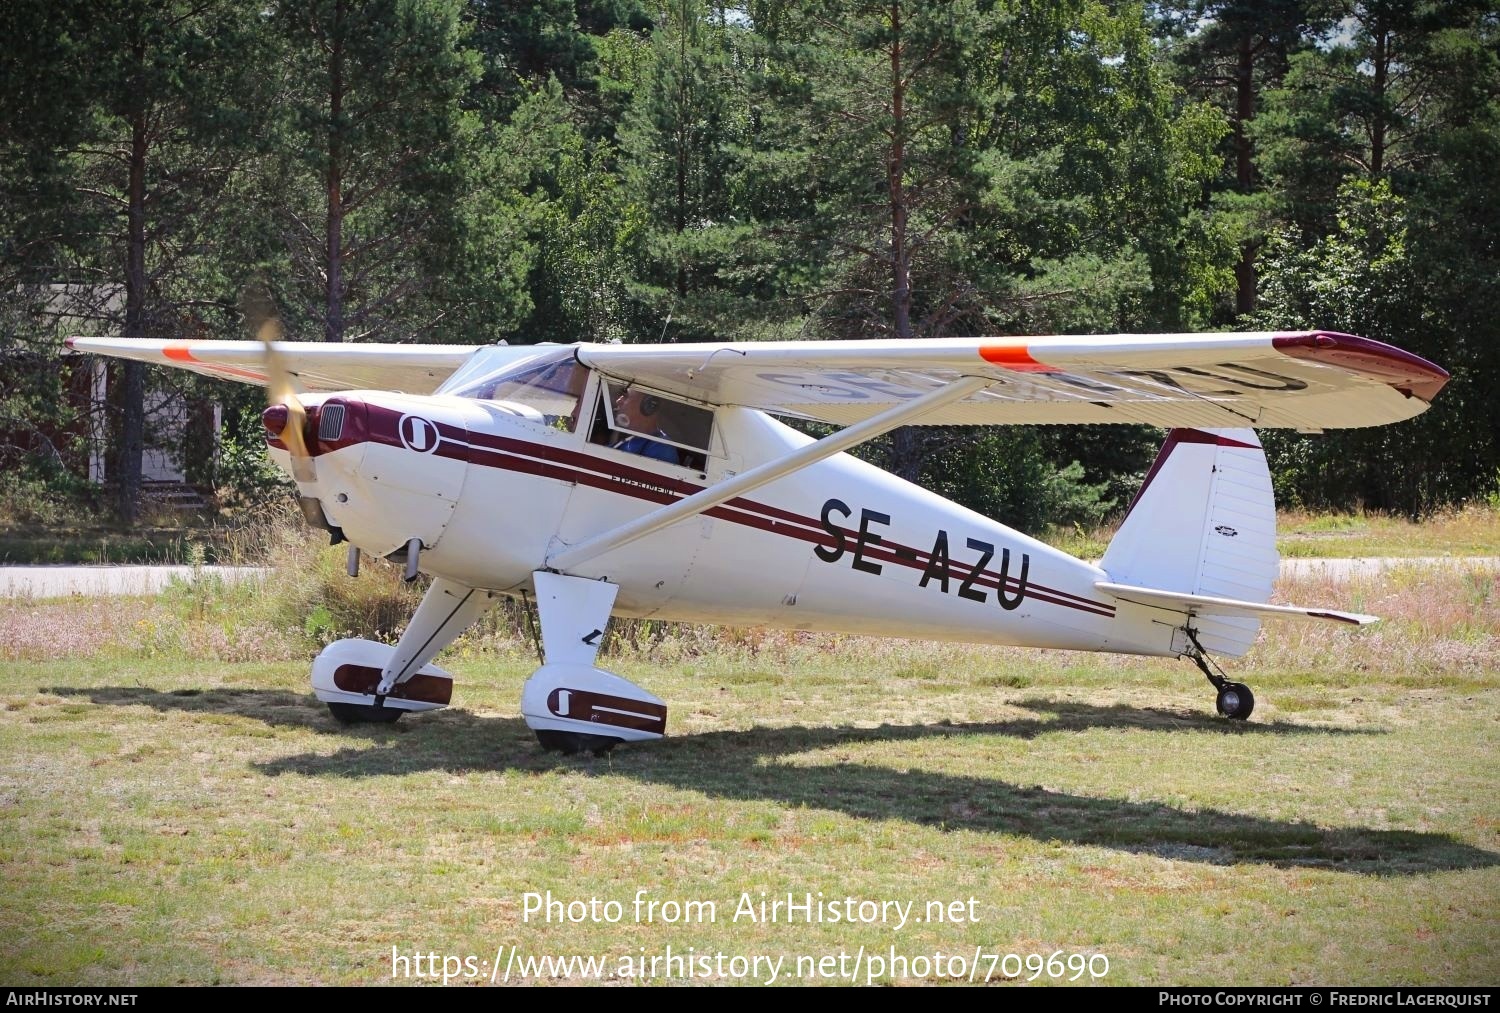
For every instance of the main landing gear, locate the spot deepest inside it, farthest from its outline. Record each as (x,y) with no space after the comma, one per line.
(1235,701)
(572,706)
(364,682)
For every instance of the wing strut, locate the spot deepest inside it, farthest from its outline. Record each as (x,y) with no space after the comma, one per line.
(898,415)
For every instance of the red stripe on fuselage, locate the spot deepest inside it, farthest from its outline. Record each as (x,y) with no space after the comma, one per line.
(648,485)
(510,454)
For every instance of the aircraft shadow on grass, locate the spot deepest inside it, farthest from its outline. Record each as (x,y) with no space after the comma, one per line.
(743,765)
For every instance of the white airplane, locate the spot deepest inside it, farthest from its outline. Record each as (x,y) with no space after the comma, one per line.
(652,481)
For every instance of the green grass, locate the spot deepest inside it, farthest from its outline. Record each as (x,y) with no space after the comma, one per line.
(31,550)
(1471,531)
(168,819)
(173,546)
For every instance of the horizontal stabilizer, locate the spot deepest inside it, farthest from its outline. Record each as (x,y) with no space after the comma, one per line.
(1209,605)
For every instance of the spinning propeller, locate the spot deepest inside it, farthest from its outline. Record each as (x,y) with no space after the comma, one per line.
(282,389)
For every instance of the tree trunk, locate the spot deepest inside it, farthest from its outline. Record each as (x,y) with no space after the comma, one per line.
(1382,71)
(896,186)
(683,139)
(1244,168)
(333,319)
(908,448)
(906,442)
(131,395)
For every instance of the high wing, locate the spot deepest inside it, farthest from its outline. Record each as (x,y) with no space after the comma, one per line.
(1308,380)
(317,365)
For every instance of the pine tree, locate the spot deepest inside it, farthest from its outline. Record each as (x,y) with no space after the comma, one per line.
(967,169)
(1385,147)
(369,152)
(1232,52)
(155,108)
(677,148)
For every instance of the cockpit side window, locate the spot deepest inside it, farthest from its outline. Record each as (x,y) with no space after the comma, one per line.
(640,421)
(546,389)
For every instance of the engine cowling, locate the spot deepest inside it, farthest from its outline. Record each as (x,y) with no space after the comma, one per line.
(387,468)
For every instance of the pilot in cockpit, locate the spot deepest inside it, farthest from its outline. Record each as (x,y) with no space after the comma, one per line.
(636,410)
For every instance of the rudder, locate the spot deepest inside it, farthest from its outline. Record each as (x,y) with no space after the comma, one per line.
(1203,523)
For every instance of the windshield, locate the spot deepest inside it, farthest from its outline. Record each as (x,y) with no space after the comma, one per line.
(549,383)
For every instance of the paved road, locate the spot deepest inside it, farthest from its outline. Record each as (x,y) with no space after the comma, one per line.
(61,581)
(1343,569)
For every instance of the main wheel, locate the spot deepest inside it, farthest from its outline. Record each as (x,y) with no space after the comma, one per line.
(572,743)
(364,714)
(1235,701)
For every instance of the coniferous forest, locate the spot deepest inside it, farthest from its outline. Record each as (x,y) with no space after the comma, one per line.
(680,170)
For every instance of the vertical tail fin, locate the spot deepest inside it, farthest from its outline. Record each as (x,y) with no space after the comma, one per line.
(1203,523)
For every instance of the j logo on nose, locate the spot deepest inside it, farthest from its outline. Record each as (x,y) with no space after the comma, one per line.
(418,434)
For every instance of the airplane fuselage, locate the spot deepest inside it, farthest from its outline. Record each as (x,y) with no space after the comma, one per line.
(838,546)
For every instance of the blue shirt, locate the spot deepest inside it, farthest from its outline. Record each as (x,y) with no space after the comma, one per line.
(648,448)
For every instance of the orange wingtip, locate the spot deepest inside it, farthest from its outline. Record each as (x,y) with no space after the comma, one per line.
(178,353)
(1014,355)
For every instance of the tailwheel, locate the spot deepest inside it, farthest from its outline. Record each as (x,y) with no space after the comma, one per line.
(572,743)
(1235,701)
(364,714)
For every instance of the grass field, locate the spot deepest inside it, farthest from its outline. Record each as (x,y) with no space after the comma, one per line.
(170,819)
(23,545)
(1470,531)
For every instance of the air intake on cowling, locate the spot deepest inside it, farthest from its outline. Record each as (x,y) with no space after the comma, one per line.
(331,422)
